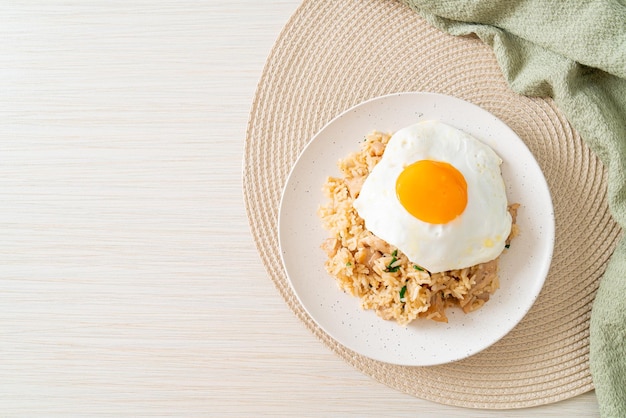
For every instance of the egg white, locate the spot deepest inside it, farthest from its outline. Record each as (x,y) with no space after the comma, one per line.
(476,236)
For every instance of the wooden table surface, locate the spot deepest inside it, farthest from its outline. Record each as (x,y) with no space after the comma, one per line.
(129,281)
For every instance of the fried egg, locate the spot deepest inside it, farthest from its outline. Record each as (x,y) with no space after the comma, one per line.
(437,194)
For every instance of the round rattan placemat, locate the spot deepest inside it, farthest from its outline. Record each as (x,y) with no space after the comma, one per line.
(334,54)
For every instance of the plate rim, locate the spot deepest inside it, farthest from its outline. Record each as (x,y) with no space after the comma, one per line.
(551,233)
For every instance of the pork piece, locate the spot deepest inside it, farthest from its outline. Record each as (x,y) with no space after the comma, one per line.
(514,228)
(354,186)
(482,278)
(485,271)
(367,256)
(377,149)
(437,309)
(377,244)
(331,246)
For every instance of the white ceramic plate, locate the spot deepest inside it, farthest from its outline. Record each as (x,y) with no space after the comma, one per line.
(523,267)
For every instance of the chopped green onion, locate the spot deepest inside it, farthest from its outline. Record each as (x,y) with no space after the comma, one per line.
(390,268)
(416,267)
(402,292)
(348,264)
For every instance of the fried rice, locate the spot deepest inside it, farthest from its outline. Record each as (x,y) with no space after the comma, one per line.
(378,273)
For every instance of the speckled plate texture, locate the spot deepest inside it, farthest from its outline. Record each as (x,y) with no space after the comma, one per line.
(522,269)
(333,55)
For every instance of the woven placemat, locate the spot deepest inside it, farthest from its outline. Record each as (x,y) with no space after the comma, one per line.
(334,54)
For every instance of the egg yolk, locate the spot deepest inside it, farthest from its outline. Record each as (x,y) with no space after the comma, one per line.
(432,191)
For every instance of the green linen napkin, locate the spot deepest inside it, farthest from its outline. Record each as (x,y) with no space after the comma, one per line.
(575,52)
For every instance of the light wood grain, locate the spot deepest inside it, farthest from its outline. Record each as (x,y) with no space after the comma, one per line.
(129,283)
